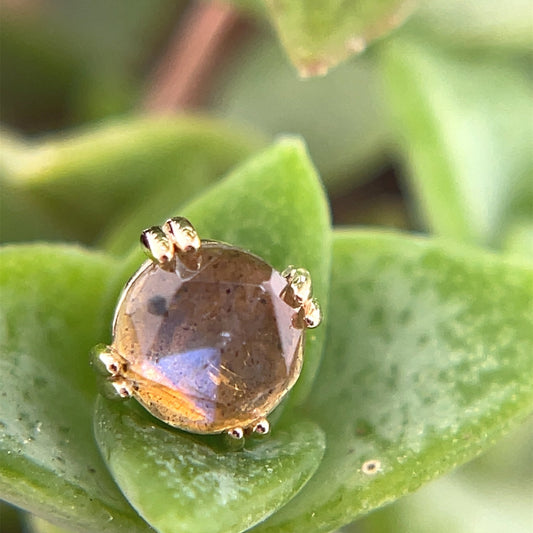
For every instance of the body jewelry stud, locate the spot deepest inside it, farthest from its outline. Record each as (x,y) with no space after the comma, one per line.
(206,336)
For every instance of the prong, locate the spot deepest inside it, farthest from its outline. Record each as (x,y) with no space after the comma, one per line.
(157,245)
(107,389)
(182,234)
(123,388)
(106,361)
(298,289)
(313,315)
(262,427)
(287,273)
(97,364)
(236,433)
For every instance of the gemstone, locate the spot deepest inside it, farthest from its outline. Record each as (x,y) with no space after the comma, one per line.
(209,348)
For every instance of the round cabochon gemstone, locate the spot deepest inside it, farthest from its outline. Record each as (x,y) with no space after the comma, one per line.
(209,348)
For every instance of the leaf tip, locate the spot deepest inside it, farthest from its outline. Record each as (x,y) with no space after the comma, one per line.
(292,144)
(294,148)
(314,69)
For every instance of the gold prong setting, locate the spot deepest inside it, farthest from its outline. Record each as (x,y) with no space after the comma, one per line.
(110,362)
(157,245)
(106,361)
(298,293)
(176,236)
(236,433)
(182,234)
(312,313)
(123,388)
(262,427)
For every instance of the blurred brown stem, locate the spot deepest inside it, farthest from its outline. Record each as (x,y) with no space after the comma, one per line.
(191,56)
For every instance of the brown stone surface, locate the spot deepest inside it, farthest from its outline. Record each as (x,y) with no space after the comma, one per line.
(212,349)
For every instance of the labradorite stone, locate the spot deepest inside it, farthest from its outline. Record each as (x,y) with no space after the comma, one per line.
(213,348)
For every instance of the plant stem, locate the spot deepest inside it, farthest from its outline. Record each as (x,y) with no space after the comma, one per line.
(193,51)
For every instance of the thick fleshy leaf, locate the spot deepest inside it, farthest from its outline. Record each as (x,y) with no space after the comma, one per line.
(429,360)
(488,24)
(347,134)
(273,205)
(183,483)
(488,495)
(123,171)
(36,524)
(465,130)
(318,34)
(49,462)
(20,219)
(518,239)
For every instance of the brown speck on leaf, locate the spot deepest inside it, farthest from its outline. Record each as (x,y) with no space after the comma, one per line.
(371,467)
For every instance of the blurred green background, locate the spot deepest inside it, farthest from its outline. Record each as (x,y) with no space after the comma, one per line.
(430,129)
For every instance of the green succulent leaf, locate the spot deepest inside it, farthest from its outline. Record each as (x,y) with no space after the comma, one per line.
(274,206)
(490,494)
(318,34)
(347,135)
(429,359)
(181,483)
(36,524)
(465,129)
(49,462)
(518,239)
(126,172)
(488,24)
